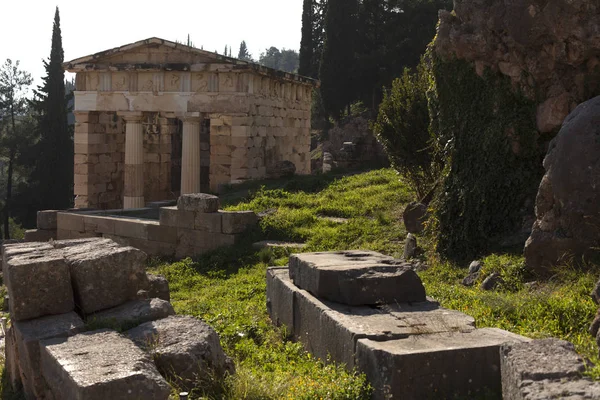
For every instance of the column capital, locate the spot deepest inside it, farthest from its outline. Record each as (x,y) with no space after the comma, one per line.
(131,115)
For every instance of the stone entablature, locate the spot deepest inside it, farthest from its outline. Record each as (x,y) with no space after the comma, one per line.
(206,121)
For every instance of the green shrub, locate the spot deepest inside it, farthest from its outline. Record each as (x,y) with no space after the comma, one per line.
(402,127)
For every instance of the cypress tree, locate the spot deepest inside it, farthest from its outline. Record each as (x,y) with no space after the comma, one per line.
(306,43)
(337,89)
(53,172)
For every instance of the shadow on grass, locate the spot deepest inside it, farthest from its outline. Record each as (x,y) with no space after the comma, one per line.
(234,194)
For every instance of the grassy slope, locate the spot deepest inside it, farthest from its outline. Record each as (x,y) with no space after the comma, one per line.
(227,288)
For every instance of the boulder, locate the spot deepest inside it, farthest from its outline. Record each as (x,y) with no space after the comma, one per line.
(198,202)
(475,266)
(100,365)
(410,247)
(132,313)
(158,287)
(470,279)
(491,282)
(184,349)
(104,274)
(414,215)
(568,200)
(356,277)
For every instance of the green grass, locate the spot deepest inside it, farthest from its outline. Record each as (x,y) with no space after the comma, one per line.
(227,288)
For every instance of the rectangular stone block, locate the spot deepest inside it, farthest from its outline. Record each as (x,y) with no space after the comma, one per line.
(332,329)
(165,234)
(356,277)
(208,222)
(237,221)
(132,313)
(132,228)
(105,274)
(435,366)
(63,234)
(104,225)
(198,202)
(204,240)
(39,284)
(172,216)
(150,247)
(98,365)
(39,235)
(47,220)
(28,335)
(70,222)
(280,298)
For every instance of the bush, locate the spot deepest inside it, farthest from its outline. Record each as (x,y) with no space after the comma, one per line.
(402,127)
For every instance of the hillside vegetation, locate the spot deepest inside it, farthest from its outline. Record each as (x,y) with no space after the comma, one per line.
(227,288)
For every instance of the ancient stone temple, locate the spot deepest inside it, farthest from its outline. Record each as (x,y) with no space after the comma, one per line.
(156,119)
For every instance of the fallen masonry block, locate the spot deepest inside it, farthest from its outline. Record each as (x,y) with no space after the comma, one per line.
(28,335)
(104,274)
(39,235)
(100,365)
(62,244)
(332,329)
(198,202)
(544,369)
(184,349)
(356,277)
(38,283)
(132,313)
(435,366)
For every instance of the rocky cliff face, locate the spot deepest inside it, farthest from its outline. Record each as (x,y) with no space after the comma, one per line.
(550,49)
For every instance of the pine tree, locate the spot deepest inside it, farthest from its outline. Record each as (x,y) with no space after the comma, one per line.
(53,172)
(306,43)
(243,54)
(225,52)
(337,88)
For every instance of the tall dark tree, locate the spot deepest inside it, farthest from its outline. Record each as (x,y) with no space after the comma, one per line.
(306,43)
(243,54)
(13,85)
(337,89)
(54,170)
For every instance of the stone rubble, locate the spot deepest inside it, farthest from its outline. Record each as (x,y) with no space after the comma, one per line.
(96,284)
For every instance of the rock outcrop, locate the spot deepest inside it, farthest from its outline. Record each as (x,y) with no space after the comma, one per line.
(568,200)
(549,49)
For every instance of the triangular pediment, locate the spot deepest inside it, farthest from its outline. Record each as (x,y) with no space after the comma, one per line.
(149,52)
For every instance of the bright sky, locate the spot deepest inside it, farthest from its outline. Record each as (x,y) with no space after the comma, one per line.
(92,26)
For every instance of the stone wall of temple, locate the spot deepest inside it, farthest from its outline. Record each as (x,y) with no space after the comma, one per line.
(100,156)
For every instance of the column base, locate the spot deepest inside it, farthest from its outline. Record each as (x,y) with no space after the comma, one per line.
(133,202)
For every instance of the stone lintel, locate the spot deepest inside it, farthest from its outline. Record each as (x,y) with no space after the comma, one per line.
(131,115)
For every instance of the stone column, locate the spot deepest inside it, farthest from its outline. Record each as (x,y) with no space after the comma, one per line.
(190,155)
(133,193)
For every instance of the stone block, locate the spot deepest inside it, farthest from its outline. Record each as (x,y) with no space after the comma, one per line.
(435,366)
(184,349)
(132,228)
(237,221)
(104,225)
(209,222)
(198,202)
(332,329)
(105,274)
(47,220)
(62,244)
(28,335)
(39,235)
(98,365)
(204,240)
(63,234)
(356,277)
(132,313)
(544,369)
(171,216)
(165,234)
(158,287)
(280,298)
(11,360)
(38,283)
(70,222)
